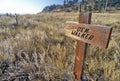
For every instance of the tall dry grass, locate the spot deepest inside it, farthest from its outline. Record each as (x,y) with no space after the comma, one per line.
(46,54)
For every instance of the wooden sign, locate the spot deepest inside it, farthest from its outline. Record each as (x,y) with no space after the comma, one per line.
(92,34)
(86,33)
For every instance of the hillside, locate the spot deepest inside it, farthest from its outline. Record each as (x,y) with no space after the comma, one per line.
(86,5)
(38,50)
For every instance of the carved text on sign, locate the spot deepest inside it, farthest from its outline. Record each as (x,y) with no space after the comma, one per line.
(93,34)
(83,33)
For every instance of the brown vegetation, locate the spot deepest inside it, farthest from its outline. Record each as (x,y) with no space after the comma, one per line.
(41,49)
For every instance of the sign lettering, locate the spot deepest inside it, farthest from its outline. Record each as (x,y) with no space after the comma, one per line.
(93,34)
(83,33)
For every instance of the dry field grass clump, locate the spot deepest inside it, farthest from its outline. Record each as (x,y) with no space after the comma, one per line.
(38,50)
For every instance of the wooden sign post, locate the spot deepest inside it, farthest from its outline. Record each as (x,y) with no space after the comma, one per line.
(84,32)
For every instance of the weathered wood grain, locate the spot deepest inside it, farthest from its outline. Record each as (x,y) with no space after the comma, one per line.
(93,34)
(81,48)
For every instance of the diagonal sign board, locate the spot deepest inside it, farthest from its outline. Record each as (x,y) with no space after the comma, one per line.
(93,34)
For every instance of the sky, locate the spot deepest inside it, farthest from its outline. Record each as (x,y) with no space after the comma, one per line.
(25,6)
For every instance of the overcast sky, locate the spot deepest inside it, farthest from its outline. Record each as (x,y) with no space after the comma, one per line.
(25,6)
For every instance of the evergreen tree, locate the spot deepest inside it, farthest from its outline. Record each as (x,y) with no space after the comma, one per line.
(117,6)
(75,1)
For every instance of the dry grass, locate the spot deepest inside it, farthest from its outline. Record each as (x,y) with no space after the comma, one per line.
(43,49)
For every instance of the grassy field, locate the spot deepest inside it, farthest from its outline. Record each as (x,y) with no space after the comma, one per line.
(39,48)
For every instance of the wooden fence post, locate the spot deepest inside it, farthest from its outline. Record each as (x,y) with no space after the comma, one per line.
(16,18)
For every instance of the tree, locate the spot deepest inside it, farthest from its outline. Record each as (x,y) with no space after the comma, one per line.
(75,1)
(84,4)
(106,5)
(85,7)
(90,8)
(110,2)
(117,6)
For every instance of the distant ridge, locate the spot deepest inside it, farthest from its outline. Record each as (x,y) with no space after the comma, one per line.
(87,5)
